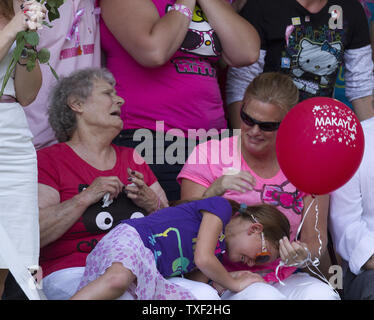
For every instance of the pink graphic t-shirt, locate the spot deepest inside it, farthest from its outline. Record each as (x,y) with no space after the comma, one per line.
(184,92)
(214,158)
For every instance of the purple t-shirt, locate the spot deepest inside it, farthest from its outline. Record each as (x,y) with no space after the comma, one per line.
(171,233)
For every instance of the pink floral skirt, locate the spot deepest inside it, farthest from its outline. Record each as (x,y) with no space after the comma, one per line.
(123,244)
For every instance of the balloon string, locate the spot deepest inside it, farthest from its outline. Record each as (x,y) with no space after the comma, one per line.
(302,221)
(315,227)
(280,265)
(315,263)
(318,232)
(309,262)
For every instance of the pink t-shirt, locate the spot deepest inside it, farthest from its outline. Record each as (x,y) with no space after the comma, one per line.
(66,56)
(62,169)
(214,158)
(184,92)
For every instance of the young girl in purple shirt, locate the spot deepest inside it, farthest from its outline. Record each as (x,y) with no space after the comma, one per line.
(140,254)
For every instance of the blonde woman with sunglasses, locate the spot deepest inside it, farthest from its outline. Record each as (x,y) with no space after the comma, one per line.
(244,168)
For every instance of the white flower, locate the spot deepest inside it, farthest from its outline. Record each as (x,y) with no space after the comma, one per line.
(36,14)
(32,25)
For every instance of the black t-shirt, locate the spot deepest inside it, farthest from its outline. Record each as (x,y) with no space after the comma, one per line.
(304,45)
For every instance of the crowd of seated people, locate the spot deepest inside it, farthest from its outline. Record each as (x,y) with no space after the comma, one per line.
(148,96)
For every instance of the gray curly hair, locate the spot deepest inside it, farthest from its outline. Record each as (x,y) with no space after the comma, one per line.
(78,84)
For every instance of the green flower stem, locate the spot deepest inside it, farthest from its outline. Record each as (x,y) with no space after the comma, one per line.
(15,57)
(7,76)
(32,38)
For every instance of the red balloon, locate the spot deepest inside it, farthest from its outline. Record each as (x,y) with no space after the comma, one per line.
(320,144)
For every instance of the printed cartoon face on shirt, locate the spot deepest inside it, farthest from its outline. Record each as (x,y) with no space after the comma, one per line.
(312,57)
(201,39)
(103,215)
(320,59)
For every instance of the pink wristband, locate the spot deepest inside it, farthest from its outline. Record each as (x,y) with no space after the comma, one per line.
(182,9)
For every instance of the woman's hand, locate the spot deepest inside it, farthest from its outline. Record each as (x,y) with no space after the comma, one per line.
(142,195)
(18,23)
(293,254)
(99,187)
(28,17)
(241,182)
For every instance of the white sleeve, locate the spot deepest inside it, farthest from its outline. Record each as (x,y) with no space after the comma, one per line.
(238,79)
(359,79)
(352,238)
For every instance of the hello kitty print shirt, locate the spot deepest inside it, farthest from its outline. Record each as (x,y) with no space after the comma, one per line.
(309,47)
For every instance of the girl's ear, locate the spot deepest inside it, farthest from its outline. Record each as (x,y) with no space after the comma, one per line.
(255,228)
(75,104)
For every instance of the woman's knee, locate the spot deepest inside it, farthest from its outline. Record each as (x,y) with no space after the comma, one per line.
(302,286)
(319,291)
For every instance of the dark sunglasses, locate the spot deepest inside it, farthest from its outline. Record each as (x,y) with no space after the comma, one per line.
(264,126)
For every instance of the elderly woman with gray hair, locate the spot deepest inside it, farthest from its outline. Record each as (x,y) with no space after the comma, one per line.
(87,185)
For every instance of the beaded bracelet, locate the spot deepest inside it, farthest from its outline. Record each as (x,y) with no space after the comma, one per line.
(182,9)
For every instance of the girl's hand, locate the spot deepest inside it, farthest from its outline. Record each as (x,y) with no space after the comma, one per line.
(241,182)
(245,279)
(142,195)
(293,254)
